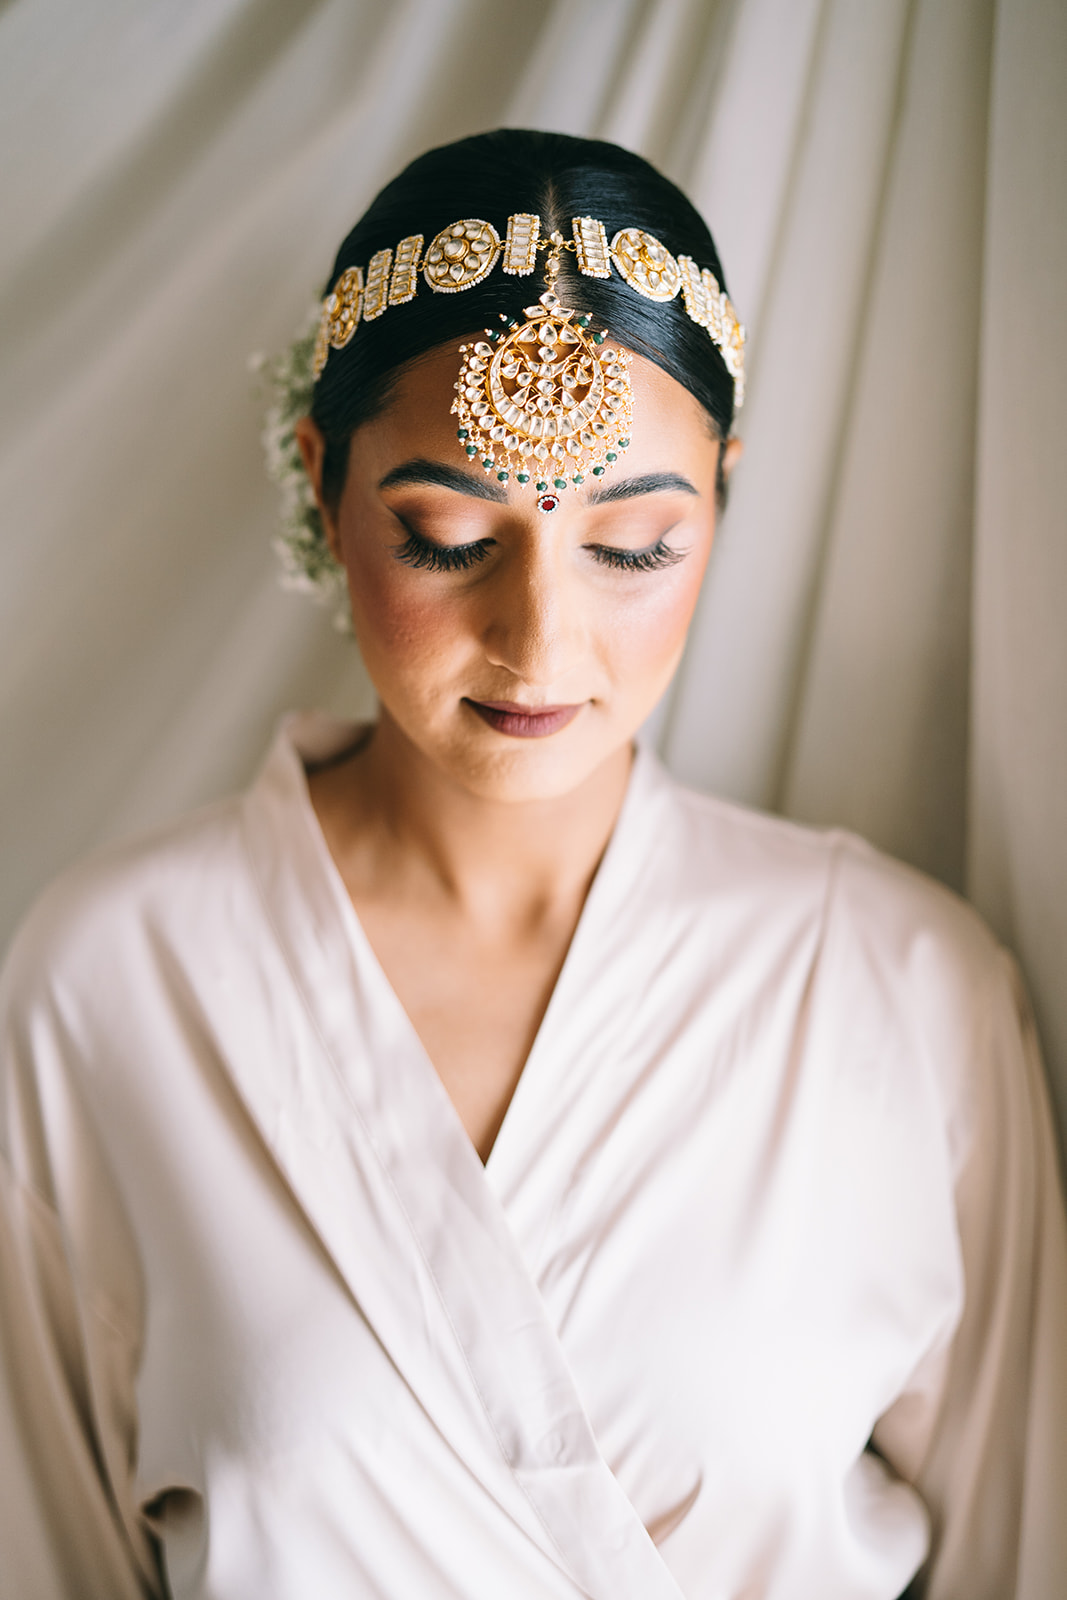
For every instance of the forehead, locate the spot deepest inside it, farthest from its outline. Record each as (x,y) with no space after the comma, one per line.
(670,427)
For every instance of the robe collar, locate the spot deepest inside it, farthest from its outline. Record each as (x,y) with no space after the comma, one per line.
(370,1145)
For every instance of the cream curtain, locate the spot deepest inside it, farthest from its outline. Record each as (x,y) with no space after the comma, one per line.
(880,642)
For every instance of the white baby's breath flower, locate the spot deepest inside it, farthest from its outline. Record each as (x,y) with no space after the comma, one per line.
(303,554)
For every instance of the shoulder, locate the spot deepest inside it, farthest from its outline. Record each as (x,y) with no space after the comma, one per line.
(99,988)
(911,1020)
(892,913)
(713,831)
(941,1002)
(121,898)
(886,910)
(902,974)
(723,859)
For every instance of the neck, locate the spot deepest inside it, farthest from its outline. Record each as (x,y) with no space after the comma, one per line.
(399,825)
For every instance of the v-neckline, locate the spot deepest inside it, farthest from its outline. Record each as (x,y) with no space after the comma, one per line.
(368,959)
(377,1157)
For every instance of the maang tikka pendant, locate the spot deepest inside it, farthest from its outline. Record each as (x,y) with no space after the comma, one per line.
(543,399)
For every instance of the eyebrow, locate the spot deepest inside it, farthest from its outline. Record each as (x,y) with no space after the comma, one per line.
(421,471)
(441,477)
(647,483)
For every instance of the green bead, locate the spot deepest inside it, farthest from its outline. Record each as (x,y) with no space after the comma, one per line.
(540,485)
(598,338)
(522,477)
(624,444)
(560,483)
(487,462)
(502,476)
(472,451)
(583,322)
(598,472)
(577,478)
(461,433)
(610,456)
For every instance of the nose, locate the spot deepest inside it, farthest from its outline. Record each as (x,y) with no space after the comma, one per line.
(536,627)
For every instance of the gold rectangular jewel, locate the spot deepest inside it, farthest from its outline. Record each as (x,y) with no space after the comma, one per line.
(405,270)
(714,298)
(520,249)
(694,293)
(375,295)
(591,247)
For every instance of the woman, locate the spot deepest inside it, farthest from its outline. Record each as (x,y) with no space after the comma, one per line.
(469,1164)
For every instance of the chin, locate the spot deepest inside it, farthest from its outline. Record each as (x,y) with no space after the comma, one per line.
(529,771)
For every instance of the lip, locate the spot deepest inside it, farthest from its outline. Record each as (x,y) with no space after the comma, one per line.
(524,722)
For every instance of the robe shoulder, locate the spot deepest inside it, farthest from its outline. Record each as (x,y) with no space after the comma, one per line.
(886,903)
(907,967)
(171,881)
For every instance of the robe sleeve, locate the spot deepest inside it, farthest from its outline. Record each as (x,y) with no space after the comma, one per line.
(69,1343)
(981,1428)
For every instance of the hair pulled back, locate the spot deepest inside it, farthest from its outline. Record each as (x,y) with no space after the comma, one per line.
(491,176)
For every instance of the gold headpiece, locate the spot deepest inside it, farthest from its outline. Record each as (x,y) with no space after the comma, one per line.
(542,393)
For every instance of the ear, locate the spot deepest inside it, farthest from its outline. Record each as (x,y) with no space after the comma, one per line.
(732,452)
(313,452)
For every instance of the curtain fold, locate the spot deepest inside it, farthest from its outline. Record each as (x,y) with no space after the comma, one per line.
(879,644)
(1017,833)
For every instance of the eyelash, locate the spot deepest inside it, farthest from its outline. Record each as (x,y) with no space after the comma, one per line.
(427,557)
(650,560)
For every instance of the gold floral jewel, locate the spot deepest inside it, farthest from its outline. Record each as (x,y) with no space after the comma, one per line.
(541,398)
(461,256)
(341,312)
(647,265)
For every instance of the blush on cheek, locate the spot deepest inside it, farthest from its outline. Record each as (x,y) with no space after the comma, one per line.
(399,622)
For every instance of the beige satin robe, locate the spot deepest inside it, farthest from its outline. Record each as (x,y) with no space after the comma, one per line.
(761,1293)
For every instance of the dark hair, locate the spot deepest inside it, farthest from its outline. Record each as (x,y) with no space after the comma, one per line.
(491,176)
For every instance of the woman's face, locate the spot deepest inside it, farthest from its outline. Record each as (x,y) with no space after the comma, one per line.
(519,650)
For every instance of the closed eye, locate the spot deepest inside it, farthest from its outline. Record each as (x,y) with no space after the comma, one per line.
(651,559)
(428,557)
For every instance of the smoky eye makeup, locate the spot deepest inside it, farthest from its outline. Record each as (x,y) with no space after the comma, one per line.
(426,556)
(650,559)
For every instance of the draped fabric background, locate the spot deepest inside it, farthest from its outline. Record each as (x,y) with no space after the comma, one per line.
(880,642)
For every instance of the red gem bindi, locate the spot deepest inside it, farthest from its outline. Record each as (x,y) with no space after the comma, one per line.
(547,502)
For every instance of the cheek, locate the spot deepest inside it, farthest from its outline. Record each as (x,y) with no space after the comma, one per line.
(649,637)
(401,626)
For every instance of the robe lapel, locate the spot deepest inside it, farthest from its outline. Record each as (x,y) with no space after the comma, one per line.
(372,1148)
